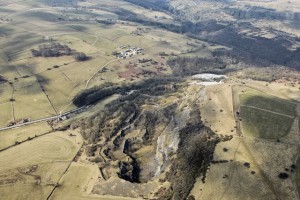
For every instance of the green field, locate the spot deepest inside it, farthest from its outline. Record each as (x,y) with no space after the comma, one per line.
(266,116)
(264,124)
(260,100)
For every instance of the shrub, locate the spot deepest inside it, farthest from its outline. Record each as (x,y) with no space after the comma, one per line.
(283,175)
(80,57)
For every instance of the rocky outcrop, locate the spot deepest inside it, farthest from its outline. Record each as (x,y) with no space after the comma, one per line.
(167,142)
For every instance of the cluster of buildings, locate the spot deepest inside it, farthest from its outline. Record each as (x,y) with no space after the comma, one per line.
(17,122)
(128,53)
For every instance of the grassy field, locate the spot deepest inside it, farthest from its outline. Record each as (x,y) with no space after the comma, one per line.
(5,105)
(258,123)
(53,147)
(78,182)
(77,176)
(10,137)
(217,98)
(266,116)
(26,187)
(50,89)
(30,170)
(6,114)
(30,101)
(260,100)
(274,158)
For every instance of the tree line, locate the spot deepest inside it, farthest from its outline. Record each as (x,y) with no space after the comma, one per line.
(56,49)
(183,66)
(153,86)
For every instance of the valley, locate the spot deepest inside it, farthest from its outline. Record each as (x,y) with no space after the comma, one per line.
(159,99)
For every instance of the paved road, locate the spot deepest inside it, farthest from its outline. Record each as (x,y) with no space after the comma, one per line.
(42,120)
(60,115)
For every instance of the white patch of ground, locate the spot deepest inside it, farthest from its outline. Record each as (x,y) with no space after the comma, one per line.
(206,83)
(209,77)
(167,142)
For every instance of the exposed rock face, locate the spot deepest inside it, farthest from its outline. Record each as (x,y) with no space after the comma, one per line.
(167,142)
(184,149)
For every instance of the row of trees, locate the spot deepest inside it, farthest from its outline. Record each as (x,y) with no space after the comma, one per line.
(151,86)
(106,22)
(182,66)
(158,5)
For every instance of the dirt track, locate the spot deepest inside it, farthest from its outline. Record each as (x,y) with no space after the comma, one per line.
(236,109)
